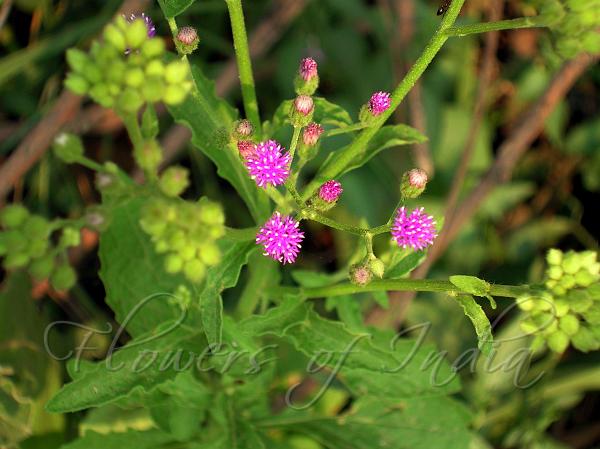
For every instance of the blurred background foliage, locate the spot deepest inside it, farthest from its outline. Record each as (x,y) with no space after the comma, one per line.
(361,46)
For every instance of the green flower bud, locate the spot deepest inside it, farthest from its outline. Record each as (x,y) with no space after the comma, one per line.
(36,227)
(525,303)
(210,212)
(174,94)
(134,77)
(210,254)
(176,72)
(148,156)
(569,324)
(70,237)
(555,272)
(42,267)
(579,301)
(377,267)
(114,36)
(153,89)
(360,275)
(584,278)
(14,261)
(592,315)
(585,340)
(136,33)
(37,247)
(101,95)
(153,48)
(92,73)
(561,307)
(194,270)
(77,84)
(155,68)
(161,246)
(187,253)
(77,59)
(567,281)
(178,240)
(174,181)
(63,278)
(554,257)
(13,215)
(413,183)
(571,263)
(68,148)
(558,342)
(130,100)
(15,241)
(173,263)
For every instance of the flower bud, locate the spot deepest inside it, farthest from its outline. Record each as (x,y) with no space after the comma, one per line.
(136,33)
(115,37)
(174,181)
(311,134)
(307,81)
(246,148)
(41,268)
(242,130)
(377,267)
(68,148)
(377,105)
(176,72)
(36,227)
(194,270)
(330,191)
(569,324)
(70,237)
(13,216)
(360,275)
(77,84)
(77,60)
(153,48)
(186,40)
(173,264)
(174,94)
(302,111)
(63,278)
(413,183)
(558,341)
(148,156)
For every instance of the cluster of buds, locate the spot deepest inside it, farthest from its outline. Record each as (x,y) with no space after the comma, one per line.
(242,137)
(186,233)
(567,309)
(25,243)
(363,273)
(574,24)
(127,69)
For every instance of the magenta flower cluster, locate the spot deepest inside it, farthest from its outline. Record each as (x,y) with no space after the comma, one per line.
(379,103)
(415,230)
(281,238)
(330,191)
(268,164)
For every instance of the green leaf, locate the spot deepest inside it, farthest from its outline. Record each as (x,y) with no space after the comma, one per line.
(480,321)
(137,287)
(142,364)
(417,423)
(220,277)
(403,262)
(210,119)
(172,8)
(366,362)
(471,284)
(140,440)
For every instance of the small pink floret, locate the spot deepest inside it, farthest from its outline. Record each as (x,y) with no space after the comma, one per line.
(330,191)
(379,103)
(268,164)
(416,230)
(308,69)
(281,238)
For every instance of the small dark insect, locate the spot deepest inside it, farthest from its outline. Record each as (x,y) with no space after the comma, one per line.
(444,7)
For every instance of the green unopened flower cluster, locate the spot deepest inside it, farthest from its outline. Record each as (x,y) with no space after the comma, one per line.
(567,309)
(575,27)
(186,233)
(25,243)
(126,69)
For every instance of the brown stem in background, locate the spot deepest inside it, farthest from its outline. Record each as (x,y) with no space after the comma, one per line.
(4,11)
(39,140)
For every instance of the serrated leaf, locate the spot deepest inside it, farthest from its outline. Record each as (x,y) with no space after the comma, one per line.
(137,287)
(480,321)
(471,284)
(172,8)
(210,119)
(138,365)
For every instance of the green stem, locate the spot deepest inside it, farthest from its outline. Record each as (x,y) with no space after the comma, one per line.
(276,196)
(413,285)
(522,22)
(133,129)
(315,216)
(360,143)
(242,54)
(344,130)
(294,143)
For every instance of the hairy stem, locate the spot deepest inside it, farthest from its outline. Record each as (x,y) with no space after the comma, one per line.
(242,54)
(434,46)
(416,285)
(522,22)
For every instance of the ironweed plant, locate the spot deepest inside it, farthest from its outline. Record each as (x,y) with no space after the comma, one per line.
(199,374)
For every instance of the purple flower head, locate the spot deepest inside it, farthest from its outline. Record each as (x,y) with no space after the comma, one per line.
(304,104)
(308,69)
(246,148)
(379,103)
(187,35)
(268,164)
(330,191)
(281,238)
(416,230)
(147,20)
(311,134)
